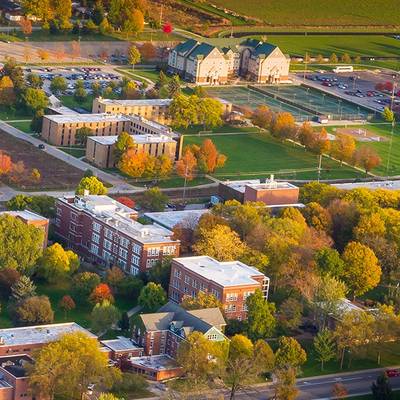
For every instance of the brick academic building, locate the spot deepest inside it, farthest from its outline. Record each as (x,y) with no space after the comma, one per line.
(106,232)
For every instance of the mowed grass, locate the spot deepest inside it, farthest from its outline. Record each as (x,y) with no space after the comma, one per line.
(258,155)
(361,45)
(317,12)
(69,101)
(24,126)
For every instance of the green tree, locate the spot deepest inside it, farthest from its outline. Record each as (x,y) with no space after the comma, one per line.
(96,89)
(21,244)
(209,112)
(388,114)
(82,135)
(152,297)
(290,314)
(80,93)
(382,389)
(123,143)
(362,271)
(57,263)
(104,316)
(329,262)
(91,184)
(22,289)
(290,354)
(160,272)
(260,316)
(133,55)
(108,396)
(154,199)
(333,59)
(131,384)
(130,288)
(35,81)
(183,111)
(19,202)
(174,86)
(285,384)
(325,346)
(346,59)
(34,310)
(81,356)
(63,13)
(35,100)
(83,285)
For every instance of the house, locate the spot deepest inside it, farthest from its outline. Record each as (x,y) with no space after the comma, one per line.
(31,218)
(269,191)
(106,232)
(231,282)
(204,63)
(160,333)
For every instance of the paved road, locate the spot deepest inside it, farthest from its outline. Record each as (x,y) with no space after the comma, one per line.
(356,383)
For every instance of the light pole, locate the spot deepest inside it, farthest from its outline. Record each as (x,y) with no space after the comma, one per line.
(390,148)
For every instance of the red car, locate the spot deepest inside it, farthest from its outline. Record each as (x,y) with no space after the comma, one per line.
(392,373)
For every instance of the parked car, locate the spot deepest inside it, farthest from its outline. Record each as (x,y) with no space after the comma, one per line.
(392,373)
(41,146)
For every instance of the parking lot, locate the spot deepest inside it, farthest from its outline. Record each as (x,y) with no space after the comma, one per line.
(365,88)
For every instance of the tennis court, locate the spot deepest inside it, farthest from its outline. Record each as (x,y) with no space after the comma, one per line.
(244,97)
(318,101)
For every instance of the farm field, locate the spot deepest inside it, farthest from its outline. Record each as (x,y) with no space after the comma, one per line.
(315,12)
(55,174)
(258,155)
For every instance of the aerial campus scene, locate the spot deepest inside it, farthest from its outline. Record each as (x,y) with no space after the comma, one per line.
(199,199)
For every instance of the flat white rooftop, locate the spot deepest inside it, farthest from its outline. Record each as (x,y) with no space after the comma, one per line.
(122,343)
(159,363)
(62,110)
(138,139)
(140,102)
(227,273)
(389,185)
(169,219)
(27,335)
(79,118)
(25,214)
(257,184)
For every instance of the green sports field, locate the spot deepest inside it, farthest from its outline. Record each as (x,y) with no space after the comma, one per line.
(258,155)
(317,12)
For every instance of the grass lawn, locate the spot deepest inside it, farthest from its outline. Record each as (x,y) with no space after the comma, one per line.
(195,129)
(390,356)
(173,182)
(69,101)
(258,155)
(136,74)
(314,12)
(74,151)
(24,126)
(11,113)
(362,45)
(383,148)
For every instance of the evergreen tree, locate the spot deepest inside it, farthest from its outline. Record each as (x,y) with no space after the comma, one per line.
(22,289)
(382,389)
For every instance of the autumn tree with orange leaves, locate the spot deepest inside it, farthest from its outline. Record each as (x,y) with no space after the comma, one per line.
(186,166)
(208,157)
(5,163)
(343,147)
(367,158)
(100,293)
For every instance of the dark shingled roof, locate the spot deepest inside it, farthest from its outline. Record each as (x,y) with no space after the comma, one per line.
(185,47)
(203,49)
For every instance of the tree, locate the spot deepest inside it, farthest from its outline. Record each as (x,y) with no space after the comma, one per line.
(382,389)
(283,126)
(285,384)
(317,217)
(57,263)
(160,272)
(82,135)
(130,287)
(325,346)
(66,304)
(22,289)
(7,93)
(34,310)
(388,114)
(133,163)
(81,356)
(58,85)
(35,175)
(133,55)
(21,244)
(8,277)
(41,9)
(83,285)
(80,93)
(133,23)
(260,316)
(114,276)
(290,354)
(63,13)
(343,147)
(329,262)
(208,157)
(362,271)
(124,323)
(154,199)
(123,143)
(186,165)
(107,396)
(333,59)
(43,54)
(262,117)
(194,356)
(92,185)
(201,301)
(5,163)
(220,243)
(183,111)
(131,383)
(104,316)
(148,51)
(152,297)
(306,134)
(367,158)
(245,361)
(35,81)
(346,59)
(35,99)
(174,86)
(101,293)
(290,314)
(26,26)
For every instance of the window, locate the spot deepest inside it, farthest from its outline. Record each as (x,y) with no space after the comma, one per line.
(230,308)
(134,270)
(124,242)
(215,293)
(246,295)
(94,249)
(122,263)
(244,308)
(168,250)
(108,233)
(123,253)
(212,336)
(150,263)
(106,255)
(195,284)
(58,221)
(96,227)
(137,249)
(153,251)
(95,238)
(59,211)
(231,296)
(73,216)
(175,283)
(203,287)
(177,273)
(107,244)
(185,290)
(187,279)
(135,260)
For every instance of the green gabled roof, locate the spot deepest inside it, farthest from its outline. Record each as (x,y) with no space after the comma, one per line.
(185,47)
(264,49)
(203,49)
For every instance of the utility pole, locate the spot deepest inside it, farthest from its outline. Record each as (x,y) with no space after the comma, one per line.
(184,185)
(161,13)
(390,148)
(319,167)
